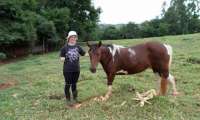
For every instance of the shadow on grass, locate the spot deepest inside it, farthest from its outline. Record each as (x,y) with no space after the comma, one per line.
(193,60)
(56,97)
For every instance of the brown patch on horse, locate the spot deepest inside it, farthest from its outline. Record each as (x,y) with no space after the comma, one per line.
(7,85)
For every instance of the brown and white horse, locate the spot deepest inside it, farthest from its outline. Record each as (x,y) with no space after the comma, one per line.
(131,60)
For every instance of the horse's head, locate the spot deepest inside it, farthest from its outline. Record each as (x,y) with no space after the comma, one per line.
(95,55)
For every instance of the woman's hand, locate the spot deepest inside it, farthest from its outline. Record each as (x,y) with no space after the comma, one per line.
(62,59)
(86,54)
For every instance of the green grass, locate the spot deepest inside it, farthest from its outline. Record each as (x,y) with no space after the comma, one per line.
(39,81)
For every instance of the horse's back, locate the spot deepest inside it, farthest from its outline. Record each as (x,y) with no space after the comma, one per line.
(152,54)
(156,47)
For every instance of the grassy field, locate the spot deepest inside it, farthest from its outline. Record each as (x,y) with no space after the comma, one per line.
(32,88)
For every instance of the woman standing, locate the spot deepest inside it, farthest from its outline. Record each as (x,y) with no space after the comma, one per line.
(71,69)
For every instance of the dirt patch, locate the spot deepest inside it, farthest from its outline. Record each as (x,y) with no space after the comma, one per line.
(7,85)
(56,97)
(75,105)
(82,103)
(11,60)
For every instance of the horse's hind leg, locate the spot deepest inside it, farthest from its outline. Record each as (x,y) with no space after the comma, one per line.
(163,86)
(163,83)
(165,79)
(158,78)
(171,79)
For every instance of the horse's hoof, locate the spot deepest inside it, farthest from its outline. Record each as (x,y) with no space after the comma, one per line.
(175,93)
(103,99)
(100,98)
(158,94)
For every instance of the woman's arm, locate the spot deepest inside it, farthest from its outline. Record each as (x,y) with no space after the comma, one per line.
(81,51)
(62,54)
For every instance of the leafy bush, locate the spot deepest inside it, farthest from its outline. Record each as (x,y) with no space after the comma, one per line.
(2,56)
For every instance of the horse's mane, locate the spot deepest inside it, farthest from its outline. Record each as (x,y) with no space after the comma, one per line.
(107,45)
(104,45)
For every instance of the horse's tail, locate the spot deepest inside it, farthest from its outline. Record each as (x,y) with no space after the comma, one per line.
(169,51)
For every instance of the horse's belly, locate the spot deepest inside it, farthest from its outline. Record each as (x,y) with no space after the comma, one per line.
(133,65)
(136,69)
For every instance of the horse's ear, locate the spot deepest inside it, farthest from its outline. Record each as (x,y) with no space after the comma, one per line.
(100,43)
(88,44)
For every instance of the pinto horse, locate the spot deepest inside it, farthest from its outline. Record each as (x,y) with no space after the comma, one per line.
(131,60)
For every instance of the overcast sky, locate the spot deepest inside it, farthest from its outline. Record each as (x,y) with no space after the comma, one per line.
(124,11)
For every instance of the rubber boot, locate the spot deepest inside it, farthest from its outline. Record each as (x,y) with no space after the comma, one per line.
(75,95)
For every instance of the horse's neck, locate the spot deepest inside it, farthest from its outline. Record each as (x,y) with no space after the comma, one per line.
(106,58)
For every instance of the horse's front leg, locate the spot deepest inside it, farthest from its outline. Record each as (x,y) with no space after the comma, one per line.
(110,79)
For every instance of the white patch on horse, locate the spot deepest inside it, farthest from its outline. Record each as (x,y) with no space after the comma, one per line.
(123,71)
(116,48)
(170,77)
(132,52)
(169,49)
(169,52)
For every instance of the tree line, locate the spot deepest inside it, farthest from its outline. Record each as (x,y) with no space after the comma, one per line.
(31,23)
(182,17)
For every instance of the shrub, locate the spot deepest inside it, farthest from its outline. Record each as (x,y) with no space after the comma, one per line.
(2,56)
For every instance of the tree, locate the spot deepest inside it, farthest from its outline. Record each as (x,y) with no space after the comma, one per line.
(193,13)
(83,15)
(130,30)
(182,16)
(60,17)
(111,32)
(46,33)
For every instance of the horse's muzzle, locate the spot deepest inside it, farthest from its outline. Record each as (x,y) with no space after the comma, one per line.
(93,70)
